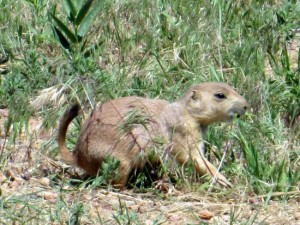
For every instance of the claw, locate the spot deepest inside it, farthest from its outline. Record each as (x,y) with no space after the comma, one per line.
(223,181)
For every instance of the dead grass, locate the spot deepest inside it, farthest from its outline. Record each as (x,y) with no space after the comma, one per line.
(33,185)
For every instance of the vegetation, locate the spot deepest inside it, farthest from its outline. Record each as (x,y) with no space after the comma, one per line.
(53,53)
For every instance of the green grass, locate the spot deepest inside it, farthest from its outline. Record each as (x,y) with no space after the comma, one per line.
(157,49)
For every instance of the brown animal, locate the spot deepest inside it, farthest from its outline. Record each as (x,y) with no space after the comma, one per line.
(131,129)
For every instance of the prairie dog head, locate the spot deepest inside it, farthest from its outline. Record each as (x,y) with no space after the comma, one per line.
(214,102)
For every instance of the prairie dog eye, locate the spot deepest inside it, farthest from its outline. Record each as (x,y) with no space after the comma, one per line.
(220,95)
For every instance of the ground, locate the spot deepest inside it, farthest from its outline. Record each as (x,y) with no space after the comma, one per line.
(33,190)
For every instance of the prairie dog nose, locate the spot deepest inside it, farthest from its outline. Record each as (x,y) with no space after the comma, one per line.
(245,103)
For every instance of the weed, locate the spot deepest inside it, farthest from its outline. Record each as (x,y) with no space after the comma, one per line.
(132,119)
(80,15)
(107,172)
(124,216)
(76,213)
(289,85)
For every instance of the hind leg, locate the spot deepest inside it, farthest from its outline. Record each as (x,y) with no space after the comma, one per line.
(124,170)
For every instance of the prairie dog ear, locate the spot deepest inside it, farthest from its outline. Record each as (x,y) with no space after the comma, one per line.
(194,95)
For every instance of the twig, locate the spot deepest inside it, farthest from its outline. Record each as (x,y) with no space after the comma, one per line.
(276,194)
(4,142)
(125,196)
(219,168)
(217,172)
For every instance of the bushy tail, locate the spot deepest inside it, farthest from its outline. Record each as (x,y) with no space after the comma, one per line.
(69,115)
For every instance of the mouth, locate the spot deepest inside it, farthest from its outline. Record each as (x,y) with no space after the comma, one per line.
(233,115)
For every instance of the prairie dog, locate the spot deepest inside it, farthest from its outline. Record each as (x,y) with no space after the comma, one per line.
(131,128)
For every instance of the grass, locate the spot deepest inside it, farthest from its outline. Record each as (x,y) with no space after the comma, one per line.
(154,49)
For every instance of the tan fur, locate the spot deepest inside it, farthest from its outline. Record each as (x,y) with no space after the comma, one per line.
(170,130)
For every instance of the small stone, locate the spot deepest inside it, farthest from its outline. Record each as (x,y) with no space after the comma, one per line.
(297,216)
(206,215)
(2,177)
(161,186)
(3,113)
(175,218)
(25,175)
(44,181)
(13,184)
(50,197)
(10,175)
(135,208)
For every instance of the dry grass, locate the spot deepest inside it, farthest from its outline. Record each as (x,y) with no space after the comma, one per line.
(153,49)
(34,189)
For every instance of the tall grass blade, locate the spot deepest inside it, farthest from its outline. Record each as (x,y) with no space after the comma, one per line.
(266,202)
(87,21)
(65,6)
(63,41)
(293,178)
(285,60)
(298,69)
(77,4)
(73,10)
(65,29)
(83,11)
(274,64)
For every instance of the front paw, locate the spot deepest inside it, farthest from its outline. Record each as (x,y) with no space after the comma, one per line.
(222,180)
